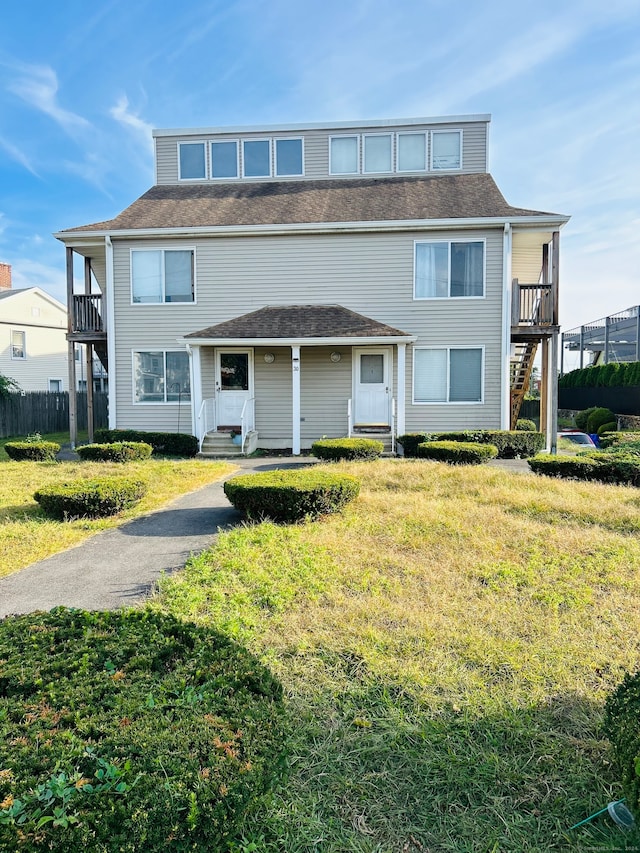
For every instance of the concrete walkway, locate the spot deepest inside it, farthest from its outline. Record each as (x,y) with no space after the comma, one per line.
(121,567)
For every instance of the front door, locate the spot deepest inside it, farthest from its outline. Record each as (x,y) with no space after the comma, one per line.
(233,386)
(372,386)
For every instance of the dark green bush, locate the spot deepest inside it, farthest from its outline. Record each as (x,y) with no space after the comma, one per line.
(526,425)
(602,376)
(335,449)
(598,417)
(622,712)
(32,451)
(410,442)
(95,498)
(457,452)
(510,443)
(608,427)
(619,439)
(581,418)
(291,495)
(594,465)
(130,731)
(167,443)
(119,451)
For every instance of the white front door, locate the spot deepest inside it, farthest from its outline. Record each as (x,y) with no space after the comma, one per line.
(372,390)
(234,384)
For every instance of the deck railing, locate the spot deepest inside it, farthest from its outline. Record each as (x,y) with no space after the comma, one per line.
(87,313)
(532,304)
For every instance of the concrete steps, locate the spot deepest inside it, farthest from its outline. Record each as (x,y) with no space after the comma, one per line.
(218,445)
(384,437)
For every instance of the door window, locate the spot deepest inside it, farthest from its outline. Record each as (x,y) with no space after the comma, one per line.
(234,371)
(372,369)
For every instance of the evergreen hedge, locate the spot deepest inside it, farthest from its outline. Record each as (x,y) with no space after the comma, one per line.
(119,451)
(457,452)
(526,425)
(598,417)
(130,731)
(510,443)
(619,439)
(622,712)
(602,376)
(167,443)
(291,495)
(335,449)
(95,498)
(32,451)
(620,468)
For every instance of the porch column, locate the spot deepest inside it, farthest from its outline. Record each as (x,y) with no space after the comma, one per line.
(552,433)
(402,366)
(89,357)
(73,396)
(295,408)
(197,427)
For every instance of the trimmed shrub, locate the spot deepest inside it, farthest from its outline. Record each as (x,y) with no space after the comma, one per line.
(594,465)
(410,442)
(582,417)
(618,439)
(119,451)
(168,443)
(609,427)
(598,417)
(32,451)
(622,711)
(511,444)
(335,449)
(131,731)
(291,495)
(526,425)
(603,375)
(457,452)
(95,498)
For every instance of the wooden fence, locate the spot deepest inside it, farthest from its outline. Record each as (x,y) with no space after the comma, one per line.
(45,411)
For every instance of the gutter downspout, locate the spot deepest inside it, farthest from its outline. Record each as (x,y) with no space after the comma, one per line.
(505,402)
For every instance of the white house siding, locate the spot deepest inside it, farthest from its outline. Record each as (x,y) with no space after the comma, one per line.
(368,273)
(316,148)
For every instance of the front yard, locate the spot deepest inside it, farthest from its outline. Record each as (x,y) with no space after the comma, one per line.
(445,646)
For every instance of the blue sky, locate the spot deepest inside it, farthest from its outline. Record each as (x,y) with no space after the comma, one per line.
(82,84)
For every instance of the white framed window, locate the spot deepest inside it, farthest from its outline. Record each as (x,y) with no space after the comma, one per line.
(289,157)
(448,374)
(192,161)
(449,269)
(446,149)
(161,376)
(411,152)
(256,158)
(18,344)
(377,152)
(344,156)
(55,386)
(162,275)
(224,159)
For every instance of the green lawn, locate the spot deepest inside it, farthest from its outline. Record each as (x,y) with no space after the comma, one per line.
(445,645)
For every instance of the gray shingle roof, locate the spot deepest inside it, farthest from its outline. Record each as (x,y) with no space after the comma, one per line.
(299,322)
(322,201)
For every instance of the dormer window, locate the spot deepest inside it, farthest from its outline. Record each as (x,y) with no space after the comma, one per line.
(289,158)
(377,152)
(446,149)
(192,161)
(412,152)
(224,159)
(256,157)
(344,155)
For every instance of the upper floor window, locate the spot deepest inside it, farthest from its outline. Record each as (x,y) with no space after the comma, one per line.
(446,149)
(377,152)
(289,159)
(192,161)
(448,269)
(256,158)
(162,275)
(18,344)
(343,156)
(224,159)
(412,152)
(447,374)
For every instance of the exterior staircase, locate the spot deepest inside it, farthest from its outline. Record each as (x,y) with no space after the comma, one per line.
(219,445)
(521,367)
(383,435)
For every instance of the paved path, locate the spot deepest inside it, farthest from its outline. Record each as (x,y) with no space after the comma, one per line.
(120,567)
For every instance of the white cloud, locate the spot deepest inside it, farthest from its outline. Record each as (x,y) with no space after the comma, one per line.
(19,156)
(121,113)
(26,272)
(38,86)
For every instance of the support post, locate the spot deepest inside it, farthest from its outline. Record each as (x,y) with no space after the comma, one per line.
(73,391)
(553,402)
(402,386)
(581,347)
(89,357)
(638,334)
(606,339)
(295,409)
(562,355)
(555,276)
(544,390)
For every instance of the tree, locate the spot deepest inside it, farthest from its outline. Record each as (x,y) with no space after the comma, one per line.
(7,385)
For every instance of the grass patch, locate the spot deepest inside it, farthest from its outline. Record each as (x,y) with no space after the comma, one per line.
(445,645)
(27,536)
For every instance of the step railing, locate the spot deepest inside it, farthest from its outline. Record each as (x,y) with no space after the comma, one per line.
(206,420)
(532,304)
(248,419)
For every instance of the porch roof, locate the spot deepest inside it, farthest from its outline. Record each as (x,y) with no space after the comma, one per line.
(299,324)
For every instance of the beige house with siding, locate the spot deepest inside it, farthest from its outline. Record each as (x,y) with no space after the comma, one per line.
(289,283)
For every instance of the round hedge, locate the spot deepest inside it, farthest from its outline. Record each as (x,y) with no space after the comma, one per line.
(457,452)
(130,731)
(118,451)
(95,498)
(291,495)
(336,449)
(32,451)
(526,425)
(598,417)
(622,712)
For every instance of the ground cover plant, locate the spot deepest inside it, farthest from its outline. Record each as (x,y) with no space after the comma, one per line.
(445,644)
(27,535)
(130,731)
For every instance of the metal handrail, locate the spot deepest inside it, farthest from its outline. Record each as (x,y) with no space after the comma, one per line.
(393,426)
(247,423)
(203,426)
(349,418)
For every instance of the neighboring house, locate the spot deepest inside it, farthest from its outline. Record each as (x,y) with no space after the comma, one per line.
(295,282)
(614,338)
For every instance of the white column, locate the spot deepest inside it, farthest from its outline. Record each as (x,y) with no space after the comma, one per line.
(402,386)
(108,321)
(196,389)
(295,409)
(505,379)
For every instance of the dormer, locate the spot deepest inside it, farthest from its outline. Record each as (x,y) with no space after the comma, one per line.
(434,146)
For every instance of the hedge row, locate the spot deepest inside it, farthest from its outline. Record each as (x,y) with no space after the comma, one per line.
(457,452)
(291,495)
(119,451)
(619,468)
(32,451)
(95,498)
(595,418)
(619,439)
(622,712)
(602,376)
(335,449)
(168,443)
(509,443)
(131,731)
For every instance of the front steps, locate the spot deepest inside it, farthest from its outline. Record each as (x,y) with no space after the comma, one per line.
(376,435)
(218,445)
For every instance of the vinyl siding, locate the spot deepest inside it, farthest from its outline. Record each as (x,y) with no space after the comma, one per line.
(368,273)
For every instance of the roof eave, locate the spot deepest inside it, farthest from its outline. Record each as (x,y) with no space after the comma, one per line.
(296,341)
